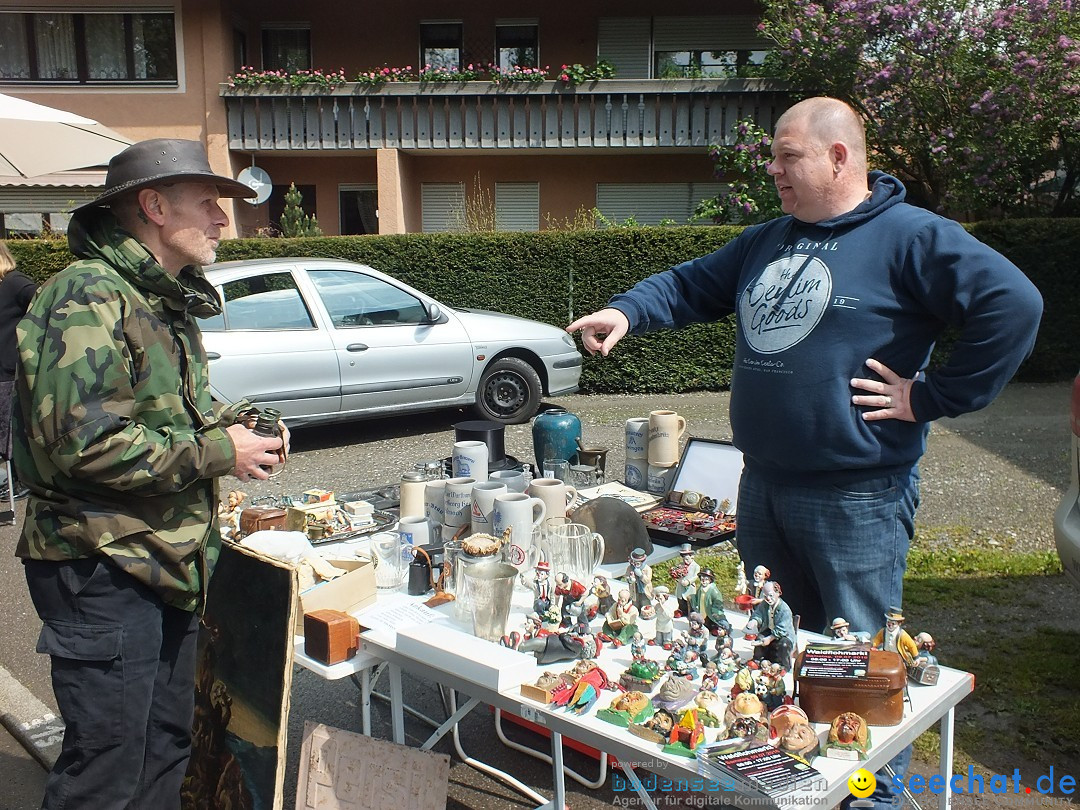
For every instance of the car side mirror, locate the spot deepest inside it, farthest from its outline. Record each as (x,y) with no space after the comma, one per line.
(434,312)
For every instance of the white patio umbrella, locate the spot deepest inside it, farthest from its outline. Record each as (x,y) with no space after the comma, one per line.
(36,140)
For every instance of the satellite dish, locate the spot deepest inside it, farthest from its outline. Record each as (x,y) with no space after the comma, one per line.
(258,181)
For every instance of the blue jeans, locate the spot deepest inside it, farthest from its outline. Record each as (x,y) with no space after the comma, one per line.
(123,672)
(836,551)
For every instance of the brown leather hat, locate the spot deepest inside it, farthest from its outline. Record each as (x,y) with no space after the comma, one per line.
(163,160)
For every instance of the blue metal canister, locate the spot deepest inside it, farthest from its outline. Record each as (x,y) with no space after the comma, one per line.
(555,433)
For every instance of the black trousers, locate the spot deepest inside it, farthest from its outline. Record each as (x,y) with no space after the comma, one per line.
(123,673)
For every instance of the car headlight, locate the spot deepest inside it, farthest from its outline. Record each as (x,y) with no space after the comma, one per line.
(569,341)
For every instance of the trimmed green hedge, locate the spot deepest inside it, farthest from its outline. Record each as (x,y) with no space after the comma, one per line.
(556,276)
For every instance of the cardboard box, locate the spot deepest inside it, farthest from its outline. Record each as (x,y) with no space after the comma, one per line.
(348,593)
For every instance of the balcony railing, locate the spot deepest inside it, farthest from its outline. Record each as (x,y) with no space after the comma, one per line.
(606,114)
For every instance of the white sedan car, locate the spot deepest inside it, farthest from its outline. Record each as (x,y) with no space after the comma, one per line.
(325,340)
(1067,517)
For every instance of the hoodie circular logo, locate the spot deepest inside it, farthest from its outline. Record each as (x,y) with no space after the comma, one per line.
(784,304)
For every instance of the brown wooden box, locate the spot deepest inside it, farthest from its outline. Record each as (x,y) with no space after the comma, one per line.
(259,518)
(877,695)
(331,636)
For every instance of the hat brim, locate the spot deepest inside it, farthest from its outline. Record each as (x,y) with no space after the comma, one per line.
(226,186)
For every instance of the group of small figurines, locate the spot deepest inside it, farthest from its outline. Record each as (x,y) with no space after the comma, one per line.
(702,683)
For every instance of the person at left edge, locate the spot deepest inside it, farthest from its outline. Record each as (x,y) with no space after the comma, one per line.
(121,446)
(16,291)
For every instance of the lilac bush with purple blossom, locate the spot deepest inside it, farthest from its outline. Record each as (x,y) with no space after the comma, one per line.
(750,196)
(976,106)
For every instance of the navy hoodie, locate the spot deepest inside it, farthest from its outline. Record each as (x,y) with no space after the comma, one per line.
(814,301)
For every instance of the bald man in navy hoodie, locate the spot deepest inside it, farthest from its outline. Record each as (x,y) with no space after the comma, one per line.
(838,306)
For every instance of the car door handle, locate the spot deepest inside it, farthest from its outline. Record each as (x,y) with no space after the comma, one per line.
(213,356)
(356,347)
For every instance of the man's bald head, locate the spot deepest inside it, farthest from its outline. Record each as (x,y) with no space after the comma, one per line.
(829,120)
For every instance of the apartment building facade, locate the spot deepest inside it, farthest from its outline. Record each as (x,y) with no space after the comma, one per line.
(403,156)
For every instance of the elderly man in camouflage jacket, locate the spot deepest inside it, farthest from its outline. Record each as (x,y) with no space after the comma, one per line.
(119,442)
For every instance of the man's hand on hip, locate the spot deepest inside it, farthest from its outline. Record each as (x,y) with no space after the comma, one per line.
(890,396)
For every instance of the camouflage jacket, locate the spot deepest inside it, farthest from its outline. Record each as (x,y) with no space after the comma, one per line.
(115,433)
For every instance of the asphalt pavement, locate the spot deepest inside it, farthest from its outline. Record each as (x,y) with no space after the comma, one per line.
(999,472)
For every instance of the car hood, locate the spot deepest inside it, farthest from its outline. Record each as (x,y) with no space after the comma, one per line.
(485,325)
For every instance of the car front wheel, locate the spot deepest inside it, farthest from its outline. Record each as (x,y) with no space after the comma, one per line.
(510,392)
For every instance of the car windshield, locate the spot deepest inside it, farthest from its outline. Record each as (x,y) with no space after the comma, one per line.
(356,299)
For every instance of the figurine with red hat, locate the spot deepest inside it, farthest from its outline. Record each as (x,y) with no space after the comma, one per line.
(545,589)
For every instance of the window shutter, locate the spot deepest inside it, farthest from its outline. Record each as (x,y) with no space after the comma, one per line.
(517,206)
(708,33)
(649,203)
(27,199)
(442,207)
(624,41)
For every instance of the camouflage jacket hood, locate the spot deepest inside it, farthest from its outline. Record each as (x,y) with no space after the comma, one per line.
(114,429)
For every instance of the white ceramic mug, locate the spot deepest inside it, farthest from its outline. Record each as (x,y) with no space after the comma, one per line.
(660,479)
(470,460)
(435,501)
(514,479)
(665,430)
(637,437)
(555,494)
(521,514)
(483,504)
(636,473)
(416,531)
(457,501)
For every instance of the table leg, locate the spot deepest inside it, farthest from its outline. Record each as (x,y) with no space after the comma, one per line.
(365,700)
(631,777)
(396,703)
(945,799)
(557,777)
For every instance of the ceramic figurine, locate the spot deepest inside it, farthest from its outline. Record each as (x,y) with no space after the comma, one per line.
(542,690)
(686,735)
(745,717)
(589,681)
(533,628)
(924,669)
(621,622)
(569,592)
(629,707)
(849,738)
(800,740)
(894,638)
(637,647)
(639,578)
(675,692)
(697,639)
(727,664)
(710,678)
(707,600)
(742,587)
(722,637)
(773,689)
(545,592)
(656,729)
(602,591)
(776,627)
(783,718)
(710,708)
(685,574)
(641,675)
(761,576)
(841,631)
(665,616)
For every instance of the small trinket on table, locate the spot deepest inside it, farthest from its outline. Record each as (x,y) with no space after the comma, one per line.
(849,738)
